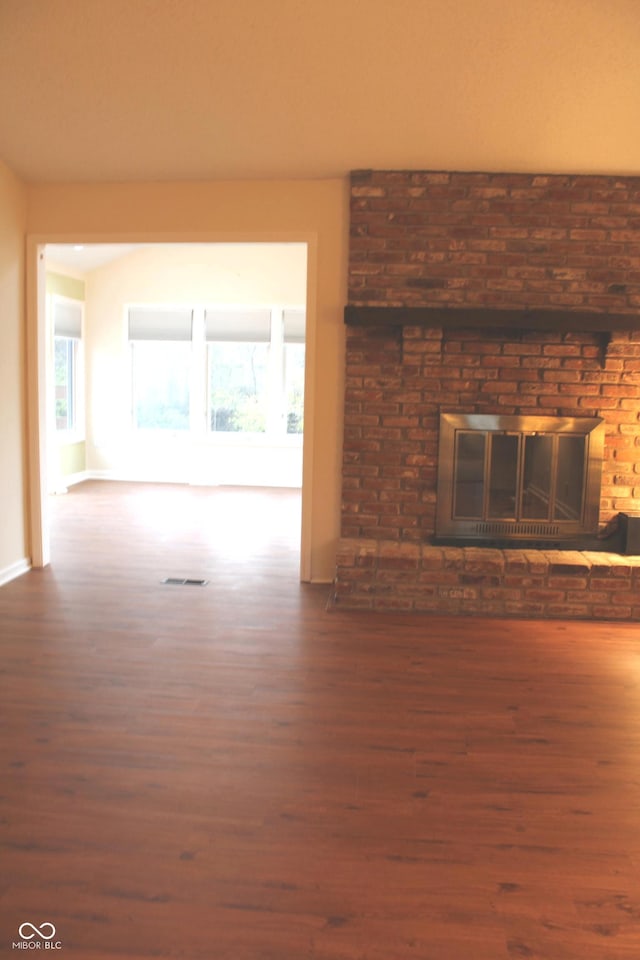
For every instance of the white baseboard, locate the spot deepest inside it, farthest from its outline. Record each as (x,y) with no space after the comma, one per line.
(70,480)
(14,570)
(183,478)
(74,478)
(127,477)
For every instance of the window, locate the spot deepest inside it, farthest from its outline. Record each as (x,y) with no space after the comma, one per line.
(67,342)
(255,361)
(238,354)
(161,385)
(294,335)
(245,367)
(161,367)
(238,387)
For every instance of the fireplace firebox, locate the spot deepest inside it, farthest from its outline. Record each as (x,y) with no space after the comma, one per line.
(518,477)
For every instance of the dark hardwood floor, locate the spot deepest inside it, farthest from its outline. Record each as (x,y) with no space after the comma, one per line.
(233,772)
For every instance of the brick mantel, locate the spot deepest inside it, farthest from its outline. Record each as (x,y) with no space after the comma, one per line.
(561,321)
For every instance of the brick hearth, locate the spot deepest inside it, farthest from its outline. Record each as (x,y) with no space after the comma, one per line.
(382,575)
(504,242)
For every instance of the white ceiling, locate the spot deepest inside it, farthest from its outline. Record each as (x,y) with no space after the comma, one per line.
(95,90)
(86,257)
(81,259)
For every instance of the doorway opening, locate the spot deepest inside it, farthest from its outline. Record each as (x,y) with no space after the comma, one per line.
(187,365)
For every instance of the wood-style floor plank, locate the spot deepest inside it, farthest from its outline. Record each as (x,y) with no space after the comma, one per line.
(235,772)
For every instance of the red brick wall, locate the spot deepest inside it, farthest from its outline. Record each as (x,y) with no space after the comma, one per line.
(423,239)
(489,239)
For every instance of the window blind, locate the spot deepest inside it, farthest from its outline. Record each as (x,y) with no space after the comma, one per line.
(67,319)
(294,322)
(155,323)
(238,326)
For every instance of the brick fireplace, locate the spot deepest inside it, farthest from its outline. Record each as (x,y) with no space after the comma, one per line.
(485,294)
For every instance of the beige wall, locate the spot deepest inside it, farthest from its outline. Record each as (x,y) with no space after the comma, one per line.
(250,274)
(13,492)
(315,213)
(65,286)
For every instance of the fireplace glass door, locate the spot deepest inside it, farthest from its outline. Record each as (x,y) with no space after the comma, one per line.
(518,476)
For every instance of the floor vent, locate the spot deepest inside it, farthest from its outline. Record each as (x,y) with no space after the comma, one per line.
(184,582)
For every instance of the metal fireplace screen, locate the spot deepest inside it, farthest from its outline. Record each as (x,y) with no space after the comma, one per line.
(506,477)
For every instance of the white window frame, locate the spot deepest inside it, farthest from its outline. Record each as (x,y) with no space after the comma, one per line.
(77,432)
(199,392)
(132,341)
(276,419)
